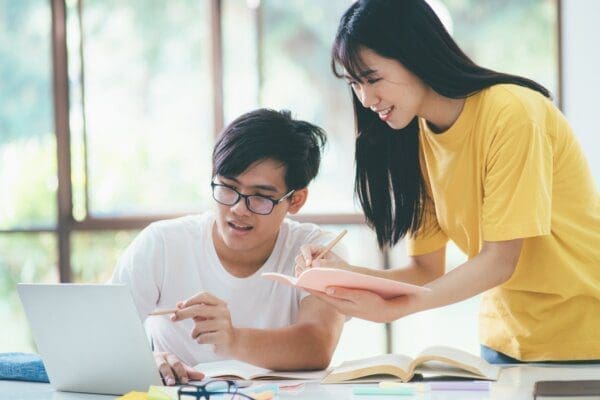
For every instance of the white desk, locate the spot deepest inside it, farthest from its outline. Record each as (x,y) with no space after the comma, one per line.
(515,383)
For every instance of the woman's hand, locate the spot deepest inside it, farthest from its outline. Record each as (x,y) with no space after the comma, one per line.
(366,305)
(309,252)
(174,370)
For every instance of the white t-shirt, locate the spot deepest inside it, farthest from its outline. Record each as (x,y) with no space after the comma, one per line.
(172,260)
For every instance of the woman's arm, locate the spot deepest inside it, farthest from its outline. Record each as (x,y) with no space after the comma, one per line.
(421,269)
(493,266)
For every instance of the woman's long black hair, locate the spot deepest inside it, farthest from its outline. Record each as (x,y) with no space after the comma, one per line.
(388,181)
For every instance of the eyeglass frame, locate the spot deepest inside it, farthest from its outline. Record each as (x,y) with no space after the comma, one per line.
(200,390)
(246,198)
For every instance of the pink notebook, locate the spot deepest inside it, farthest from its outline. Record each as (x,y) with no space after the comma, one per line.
(321,278)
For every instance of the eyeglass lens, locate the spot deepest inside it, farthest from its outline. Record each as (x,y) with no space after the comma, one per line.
(256,204)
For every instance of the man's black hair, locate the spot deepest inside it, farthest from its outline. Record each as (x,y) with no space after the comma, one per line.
(269,134)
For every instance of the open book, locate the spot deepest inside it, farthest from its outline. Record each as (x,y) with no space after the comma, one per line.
(320,279)
(437,360)
(233,369)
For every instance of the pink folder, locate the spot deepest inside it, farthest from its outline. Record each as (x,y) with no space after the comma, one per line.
(321,278)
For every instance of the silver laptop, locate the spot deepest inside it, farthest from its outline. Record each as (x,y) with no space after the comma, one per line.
(90,337)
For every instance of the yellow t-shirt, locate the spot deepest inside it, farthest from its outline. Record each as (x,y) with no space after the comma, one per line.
(510,167)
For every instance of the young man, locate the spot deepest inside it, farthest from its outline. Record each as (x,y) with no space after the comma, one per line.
(210,265)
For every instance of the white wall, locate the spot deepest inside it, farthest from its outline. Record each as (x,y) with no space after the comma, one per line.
(581,74)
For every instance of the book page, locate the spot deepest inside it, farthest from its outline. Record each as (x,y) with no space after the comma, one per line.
(457,359)
(388,364)
(299,375)
(437,368)
(398,360)
(375,378)
(230,368)
(245,371)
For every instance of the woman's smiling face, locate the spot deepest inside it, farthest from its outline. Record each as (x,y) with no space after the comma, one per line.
(388,89)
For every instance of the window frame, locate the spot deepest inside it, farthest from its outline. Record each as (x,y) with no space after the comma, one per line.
(67,224)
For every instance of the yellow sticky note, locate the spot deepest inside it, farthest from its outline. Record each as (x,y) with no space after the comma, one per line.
(162,393)
(268,395)
(134,396)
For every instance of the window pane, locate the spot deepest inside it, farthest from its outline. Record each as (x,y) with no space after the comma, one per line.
(295,65)
(23,258)
(240,58)
(513,36)
(148,105)
(27,144)
(95,254)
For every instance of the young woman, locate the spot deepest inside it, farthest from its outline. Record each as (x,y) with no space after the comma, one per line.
(448,150)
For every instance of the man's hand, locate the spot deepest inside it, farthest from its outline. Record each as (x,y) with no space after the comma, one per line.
(212,322)
(308,252)
(174,371)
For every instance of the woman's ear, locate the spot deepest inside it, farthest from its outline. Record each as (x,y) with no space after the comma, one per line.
(297,200)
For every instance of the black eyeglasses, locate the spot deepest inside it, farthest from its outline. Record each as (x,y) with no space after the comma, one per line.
(217,389)
(256,203)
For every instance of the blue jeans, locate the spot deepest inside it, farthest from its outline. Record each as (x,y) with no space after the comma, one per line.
(495,357)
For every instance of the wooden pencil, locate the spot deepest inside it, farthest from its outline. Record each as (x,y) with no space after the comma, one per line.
(330,245)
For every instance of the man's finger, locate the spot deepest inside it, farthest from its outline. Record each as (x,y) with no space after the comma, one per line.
(193,374)
(165,369)
(197,311)
(188,312)
(299,261)
(209,338)
(177,367)
(307,253)
(210,325)
(203,298)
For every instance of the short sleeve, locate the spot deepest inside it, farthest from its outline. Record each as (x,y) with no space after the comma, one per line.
(141,268)
(517,187)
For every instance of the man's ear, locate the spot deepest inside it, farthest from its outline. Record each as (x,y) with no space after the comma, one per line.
(297,201)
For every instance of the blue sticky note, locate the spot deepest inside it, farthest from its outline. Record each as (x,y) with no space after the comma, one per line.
(377,391)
